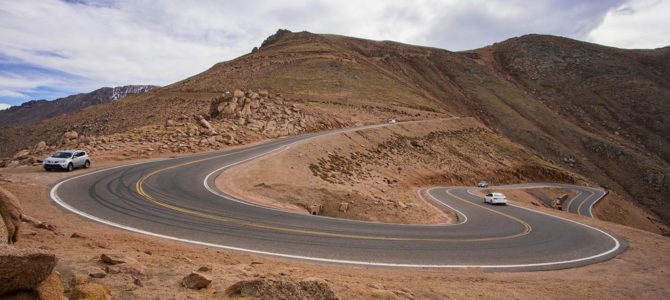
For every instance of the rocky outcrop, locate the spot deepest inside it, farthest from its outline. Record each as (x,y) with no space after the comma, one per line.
(278,289)
(264,113)
(10,212)
(24,269)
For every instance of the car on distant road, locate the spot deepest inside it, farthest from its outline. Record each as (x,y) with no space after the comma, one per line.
(483,184)
(67,160)
(495,198)
(392,121)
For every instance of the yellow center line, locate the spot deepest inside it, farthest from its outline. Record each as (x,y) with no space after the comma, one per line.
(527,227)
(140,190)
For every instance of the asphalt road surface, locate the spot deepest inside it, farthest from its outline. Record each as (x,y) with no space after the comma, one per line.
(176,199)
(582,204)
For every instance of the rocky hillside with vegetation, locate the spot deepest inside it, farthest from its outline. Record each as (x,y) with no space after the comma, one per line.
(594,110)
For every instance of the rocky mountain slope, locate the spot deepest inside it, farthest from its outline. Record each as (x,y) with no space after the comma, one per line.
(594,110)
(37,110)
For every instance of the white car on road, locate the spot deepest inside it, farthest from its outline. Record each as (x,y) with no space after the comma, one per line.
(67,160)
(495,198)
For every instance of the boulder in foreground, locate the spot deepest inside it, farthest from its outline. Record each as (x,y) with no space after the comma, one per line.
(23,269)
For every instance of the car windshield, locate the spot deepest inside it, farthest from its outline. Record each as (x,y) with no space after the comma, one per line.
(62,155)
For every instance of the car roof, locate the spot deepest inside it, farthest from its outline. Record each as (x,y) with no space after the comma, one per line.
(497,194)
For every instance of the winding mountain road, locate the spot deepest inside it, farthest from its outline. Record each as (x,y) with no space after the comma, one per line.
(175,199)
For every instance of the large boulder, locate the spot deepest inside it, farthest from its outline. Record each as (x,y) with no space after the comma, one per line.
(10,212)
(23,269)
(276,289)
(238,94)
(217,104)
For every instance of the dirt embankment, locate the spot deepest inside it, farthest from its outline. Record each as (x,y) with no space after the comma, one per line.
(374,174)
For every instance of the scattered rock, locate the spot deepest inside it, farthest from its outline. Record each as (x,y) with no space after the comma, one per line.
(375,285)
(23,268)
(416,143)
(196,281)
(204,123)
(383,294)
(170,123)
(70,135)
(95,272)
(102,244)
(77,235)
(344,207)
(137,281)
(204,269)
(315,209)
(115,259)
(238,94)
(37,223)
(133,268)
(275,289)
(21,154)
(91,291)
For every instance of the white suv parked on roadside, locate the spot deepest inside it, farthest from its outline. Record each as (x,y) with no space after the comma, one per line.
(495,198)
(67,160)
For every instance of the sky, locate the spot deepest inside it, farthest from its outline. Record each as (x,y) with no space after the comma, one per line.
(51,48)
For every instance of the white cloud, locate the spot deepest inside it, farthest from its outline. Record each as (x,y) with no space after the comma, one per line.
(109,43)
(4,106)
(635,24)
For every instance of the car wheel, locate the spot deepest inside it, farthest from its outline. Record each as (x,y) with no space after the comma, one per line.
(87,164)
(70,167)
(47,170)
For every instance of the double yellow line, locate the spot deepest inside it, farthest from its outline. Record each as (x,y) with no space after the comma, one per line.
(140,190)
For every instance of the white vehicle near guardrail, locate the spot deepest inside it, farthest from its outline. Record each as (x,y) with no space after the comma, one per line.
(495,198)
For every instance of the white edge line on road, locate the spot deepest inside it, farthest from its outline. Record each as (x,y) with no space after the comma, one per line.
(54,196)
(465,217)
(57,199)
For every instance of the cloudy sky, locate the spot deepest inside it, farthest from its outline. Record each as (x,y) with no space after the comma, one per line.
(50,48)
